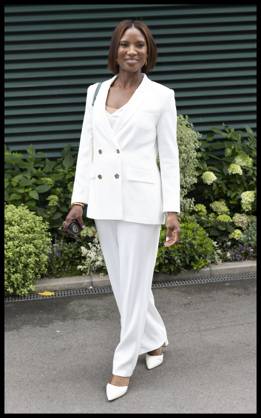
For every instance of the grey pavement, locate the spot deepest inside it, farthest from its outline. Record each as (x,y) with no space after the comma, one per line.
(58,353)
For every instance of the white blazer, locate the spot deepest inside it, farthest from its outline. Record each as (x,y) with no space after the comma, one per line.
(117,173)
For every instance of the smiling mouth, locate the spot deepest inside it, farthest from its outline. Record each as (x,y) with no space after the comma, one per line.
(131,60)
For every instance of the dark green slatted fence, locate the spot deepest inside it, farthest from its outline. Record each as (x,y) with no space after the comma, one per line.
(207,54)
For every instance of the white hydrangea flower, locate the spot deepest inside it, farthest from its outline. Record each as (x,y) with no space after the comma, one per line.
(236,234)
(243,160)
(247,198)
(241,220)
(208,177)
(235,169)
(219,206)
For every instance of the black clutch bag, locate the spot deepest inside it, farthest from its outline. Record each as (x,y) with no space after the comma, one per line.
(73,230)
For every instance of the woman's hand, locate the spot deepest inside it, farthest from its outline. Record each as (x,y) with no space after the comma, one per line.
(76,212)
(173,229)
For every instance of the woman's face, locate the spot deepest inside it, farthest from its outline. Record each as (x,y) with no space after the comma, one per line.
(132,51)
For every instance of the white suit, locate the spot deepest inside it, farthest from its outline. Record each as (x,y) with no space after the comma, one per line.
(118,177)
(117,174)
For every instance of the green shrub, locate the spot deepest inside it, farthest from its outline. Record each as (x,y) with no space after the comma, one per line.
(43,185)
(241,244)
(194,251)
(69,257)
(224,195)
(217,224)
(249,235)
(227,170)
(188,143)
(64,259)
(27,246)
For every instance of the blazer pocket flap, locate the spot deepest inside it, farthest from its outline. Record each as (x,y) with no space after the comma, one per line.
(140,174)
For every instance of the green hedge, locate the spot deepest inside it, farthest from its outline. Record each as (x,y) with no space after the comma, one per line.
(194,251)
(27,247)
(43,185)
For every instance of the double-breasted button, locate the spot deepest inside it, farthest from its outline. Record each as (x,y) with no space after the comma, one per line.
(100,151)
(118,151)
(116,175)
(99,176)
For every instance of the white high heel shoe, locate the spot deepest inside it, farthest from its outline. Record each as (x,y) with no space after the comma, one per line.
(114,392)
(154,361)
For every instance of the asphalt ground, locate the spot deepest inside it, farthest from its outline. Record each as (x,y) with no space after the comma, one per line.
(58,353)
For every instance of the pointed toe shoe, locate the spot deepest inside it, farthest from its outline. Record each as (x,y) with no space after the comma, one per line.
(114,392)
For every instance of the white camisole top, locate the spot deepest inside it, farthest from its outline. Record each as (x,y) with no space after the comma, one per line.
(113,114)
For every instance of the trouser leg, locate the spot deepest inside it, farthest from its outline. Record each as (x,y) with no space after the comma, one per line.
(155,333)
(130,251)
(108,238)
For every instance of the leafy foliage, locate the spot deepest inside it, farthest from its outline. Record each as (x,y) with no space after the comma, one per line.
(218,201)
(43,185)
(188,143)
(194,251)
(66,254)
(225,193)
(241,246)
(27,247)
(64,259)
(232,160)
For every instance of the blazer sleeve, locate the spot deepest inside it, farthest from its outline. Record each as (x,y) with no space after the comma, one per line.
(82,173)
(169,155)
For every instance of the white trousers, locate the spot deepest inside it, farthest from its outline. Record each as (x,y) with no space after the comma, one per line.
(130,251)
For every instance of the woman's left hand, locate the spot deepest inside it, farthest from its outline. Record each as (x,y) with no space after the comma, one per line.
(173,230)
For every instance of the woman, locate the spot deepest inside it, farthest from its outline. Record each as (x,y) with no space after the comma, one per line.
(132,121)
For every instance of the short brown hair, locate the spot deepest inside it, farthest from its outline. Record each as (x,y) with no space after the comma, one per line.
(115,41)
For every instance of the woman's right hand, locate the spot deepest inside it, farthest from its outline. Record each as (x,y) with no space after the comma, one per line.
(75,212)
